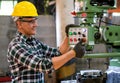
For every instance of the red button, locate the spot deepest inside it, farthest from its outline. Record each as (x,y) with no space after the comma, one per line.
(75,40)
(71,39)
(83,15)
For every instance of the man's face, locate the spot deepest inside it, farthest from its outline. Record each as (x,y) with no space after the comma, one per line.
(27,26)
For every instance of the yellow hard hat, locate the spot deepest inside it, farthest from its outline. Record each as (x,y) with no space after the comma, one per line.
(24,8)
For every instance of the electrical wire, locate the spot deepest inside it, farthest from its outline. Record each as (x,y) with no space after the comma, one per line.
(110,23)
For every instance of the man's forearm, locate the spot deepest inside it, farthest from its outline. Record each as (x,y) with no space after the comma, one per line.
(61,60)
(64,47)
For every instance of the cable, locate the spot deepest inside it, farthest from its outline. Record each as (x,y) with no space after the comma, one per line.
(110,23)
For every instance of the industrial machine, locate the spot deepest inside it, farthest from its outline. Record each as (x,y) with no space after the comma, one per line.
(94,29)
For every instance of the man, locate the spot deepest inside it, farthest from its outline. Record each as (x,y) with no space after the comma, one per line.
(28,57)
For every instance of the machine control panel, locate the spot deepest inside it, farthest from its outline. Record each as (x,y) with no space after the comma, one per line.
(77,34)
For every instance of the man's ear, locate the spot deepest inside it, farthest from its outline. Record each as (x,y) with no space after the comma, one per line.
(18,24)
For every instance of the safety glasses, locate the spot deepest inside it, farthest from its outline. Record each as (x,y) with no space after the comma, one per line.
(23,19)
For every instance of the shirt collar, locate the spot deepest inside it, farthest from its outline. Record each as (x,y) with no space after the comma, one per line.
(24,37)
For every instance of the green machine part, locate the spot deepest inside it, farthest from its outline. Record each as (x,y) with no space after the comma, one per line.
(91,10)
(115,61)
(90,41)
(111,35)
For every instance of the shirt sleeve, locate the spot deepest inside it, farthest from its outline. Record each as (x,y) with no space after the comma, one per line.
(50,51)
(23,55)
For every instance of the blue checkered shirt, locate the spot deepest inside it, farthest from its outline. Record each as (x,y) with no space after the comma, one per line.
(29,59)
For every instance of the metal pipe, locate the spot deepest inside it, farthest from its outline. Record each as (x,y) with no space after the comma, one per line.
(102,55)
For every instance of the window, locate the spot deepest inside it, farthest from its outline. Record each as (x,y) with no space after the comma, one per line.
(6,7)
